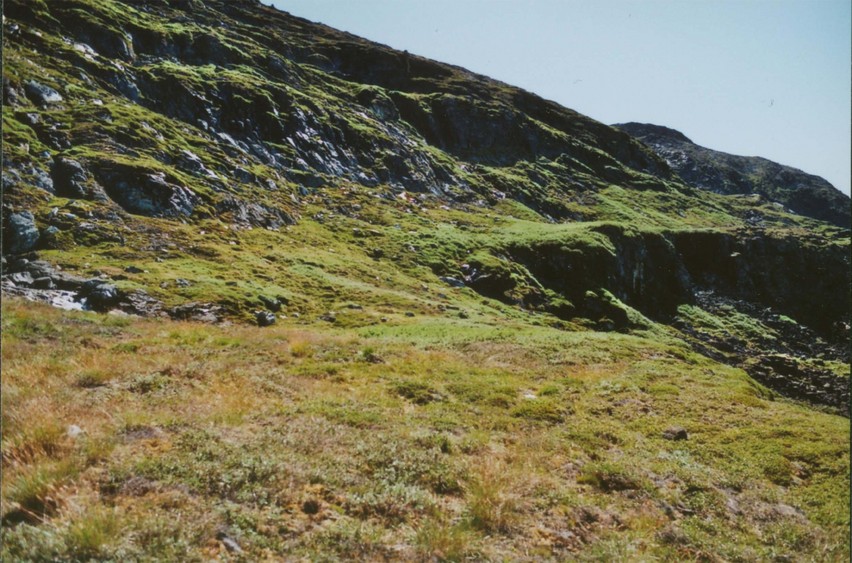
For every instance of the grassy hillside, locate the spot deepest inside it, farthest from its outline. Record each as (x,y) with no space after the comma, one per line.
(447,438)
(498,329)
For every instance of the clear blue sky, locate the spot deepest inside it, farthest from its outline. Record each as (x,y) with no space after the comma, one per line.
(764,78)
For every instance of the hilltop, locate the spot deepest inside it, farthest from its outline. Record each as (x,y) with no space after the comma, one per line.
(318,298)
(723,173)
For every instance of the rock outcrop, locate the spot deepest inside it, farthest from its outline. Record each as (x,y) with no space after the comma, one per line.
(724,173)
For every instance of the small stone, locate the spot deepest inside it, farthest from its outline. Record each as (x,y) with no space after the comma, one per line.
(454,282)
(787,511)
(73,431)
(133,270)
(229,542)
(675,433)
(409,314)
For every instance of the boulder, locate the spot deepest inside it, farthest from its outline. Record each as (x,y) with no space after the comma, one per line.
(21,278)
(101,296)
(21,233)
(265,318)
(40,94)
(42,180)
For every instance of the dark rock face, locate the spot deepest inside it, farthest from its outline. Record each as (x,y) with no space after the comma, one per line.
(797,379)
(21,233)
(69,178)
(255,214)
(723,173)
(644,271)
(147,194)
(804,279)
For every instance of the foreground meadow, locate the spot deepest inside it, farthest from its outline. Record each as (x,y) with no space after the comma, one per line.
(433,439)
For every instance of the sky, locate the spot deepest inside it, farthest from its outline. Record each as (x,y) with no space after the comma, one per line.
(766,78)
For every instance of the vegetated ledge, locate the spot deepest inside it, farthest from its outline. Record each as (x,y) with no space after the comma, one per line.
(613,278)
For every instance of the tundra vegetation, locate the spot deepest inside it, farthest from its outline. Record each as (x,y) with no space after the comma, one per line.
(345,304)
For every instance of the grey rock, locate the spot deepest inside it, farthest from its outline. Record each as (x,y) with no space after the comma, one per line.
(21,233)
(42,180)
(100,295)
(202,312)
(229,542)
(254,214)
(40,94)
(21,278)
(265,318)
(10,178)
(12,94)
(125,84)
(449,280)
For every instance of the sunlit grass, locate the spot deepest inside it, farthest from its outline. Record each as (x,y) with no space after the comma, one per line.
(313,440)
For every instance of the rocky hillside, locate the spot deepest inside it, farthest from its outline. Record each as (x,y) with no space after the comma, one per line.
(453,267)
(724,173)
(162,158)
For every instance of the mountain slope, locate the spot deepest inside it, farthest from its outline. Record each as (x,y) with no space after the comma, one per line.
(502,330)
(723,173)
